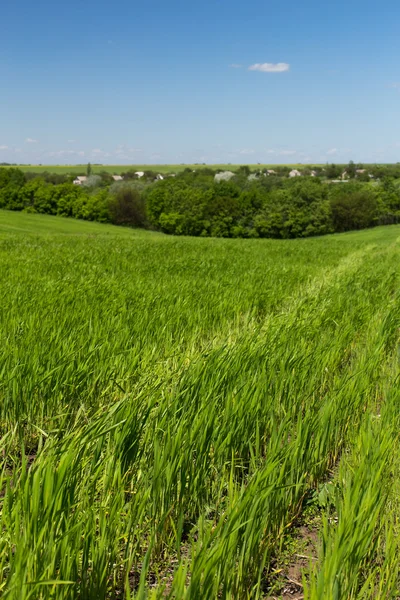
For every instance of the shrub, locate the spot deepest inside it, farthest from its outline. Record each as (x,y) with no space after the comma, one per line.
(354,208)
(127,207)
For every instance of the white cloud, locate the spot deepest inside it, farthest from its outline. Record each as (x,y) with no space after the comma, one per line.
(332,151)
(71,141)
(66,153)
(287,152)
(98,152)
(30,141)
(121,149)
(246,151)
(235,66)
(3,147)
(270,67)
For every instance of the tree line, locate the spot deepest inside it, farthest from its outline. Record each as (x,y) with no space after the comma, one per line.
(193,203)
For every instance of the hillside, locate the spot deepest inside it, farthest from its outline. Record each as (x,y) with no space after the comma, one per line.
(180,417)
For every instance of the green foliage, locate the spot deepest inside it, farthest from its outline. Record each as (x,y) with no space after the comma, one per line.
(126,206)
(354,207)
(194,203)
(333,171)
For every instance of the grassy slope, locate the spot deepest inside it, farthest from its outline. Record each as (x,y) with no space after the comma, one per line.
(11,222)
(180,397)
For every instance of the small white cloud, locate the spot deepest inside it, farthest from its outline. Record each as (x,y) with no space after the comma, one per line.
(246,151)
(287,152)
(3,147)
(98,152)
(61,152)
(235,66)
(332,151)
(71,141)
(123,150)
(30,141)
(270,67)
(66,153)
(271,151)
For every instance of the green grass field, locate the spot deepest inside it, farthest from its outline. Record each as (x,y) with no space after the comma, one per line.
(117,169)
(174,410)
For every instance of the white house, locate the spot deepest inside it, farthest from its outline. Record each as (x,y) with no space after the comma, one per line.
(139,174)
(159,177)
(295,173)
(117,177)
(224,176)
(80,180)
(271,172)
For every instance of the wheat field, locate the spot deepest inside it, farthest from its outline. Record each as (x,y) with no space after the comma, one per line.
(170,407)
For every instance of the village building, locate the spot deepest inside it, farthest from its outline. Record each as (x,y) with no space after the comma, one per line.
(224,176)
(80,180)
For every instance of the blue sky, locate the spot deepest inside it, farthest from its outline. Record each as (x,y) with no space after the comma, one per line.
(170,82)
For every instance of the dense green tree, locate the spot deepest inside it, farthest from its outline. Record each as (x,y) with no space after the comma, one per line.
(333,171)
(354,207)
(127,207)
(351,169)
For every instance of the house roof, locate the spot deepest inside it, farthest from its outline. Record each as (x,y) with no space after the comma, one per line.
(224,176)
(117,177)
